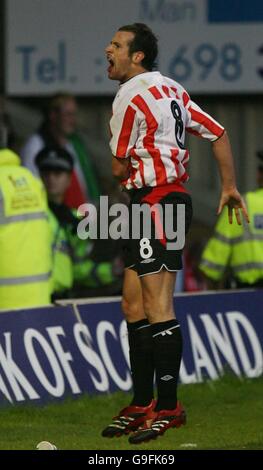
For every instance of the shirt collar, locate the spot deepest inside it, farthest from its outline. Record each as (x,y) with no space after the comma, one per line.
(139,76)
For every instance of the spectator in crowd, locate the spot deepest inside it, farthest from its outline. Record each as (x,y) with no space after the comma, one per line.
(238,249)
(59,129)
(25,261)
(74,270)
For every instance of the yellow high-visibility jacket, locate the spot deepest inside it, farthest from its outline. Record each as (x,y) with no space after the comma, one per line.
(239,247)
(71,261)
(25,239)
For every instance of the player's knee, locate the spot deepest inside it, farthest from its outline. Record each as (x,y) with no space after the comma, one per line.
(132,310)
(157,310)
(125,307)
(150,305)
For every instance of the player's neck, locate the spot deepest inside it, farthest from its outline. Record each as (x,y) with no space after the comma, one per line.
(133,74)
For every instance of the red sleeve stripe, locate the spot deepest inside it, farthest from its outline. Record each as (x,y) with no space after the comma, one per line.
(175,92)
(166,91)
(206,122)
(148,141)
(186,98)
(155,92)
(125,133)
(192,131)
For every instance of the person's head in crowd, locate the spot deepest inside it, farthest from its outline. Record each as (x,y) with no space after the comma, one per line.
(61,116)
(260,168)
(55,165)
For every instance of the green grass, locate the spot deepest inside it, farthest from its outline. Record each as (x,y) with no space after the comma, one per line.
(227,414)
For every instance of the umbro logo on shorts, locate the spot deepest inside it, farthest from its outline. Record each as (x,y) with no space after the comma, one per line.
(166,378)
(149,260)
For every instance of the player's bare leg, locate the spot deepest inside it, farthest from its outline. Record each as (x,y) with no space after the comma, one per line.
(132,301)
(157,295)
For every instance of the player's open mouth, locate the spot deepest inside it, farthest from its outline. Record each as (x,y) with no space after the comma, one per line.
(111,64)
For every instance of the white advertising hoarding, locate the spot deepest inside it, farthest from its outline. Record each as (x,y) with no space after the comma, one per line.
(211,46)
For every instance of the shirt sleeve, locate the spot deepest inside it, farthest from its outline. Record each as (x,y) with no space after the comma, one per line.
(200,123)
(124,131)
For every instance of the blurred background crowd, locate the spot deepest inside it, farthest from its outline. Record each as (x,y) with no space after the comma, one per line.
(55,147)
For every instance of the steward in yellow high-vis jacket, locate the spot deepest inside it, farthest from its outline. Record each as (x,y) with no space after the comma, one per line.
(73,270)
(25,250)
(238,247)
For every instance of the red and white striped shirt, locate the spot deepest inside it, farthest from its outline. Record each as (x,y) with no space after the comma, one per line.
(150,116)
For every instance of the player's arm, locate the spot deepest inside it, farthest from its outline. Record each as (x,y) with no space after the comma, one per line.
(120,168)
(229,194)
(203,125)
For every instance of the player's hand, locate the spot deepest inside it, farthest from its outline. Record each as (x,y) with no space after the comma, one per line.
(234,201)
(121,168)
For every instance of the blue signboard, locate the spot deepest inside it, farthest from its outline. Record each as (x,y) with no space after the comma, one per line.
(210,46)
(235,11)
(50,353)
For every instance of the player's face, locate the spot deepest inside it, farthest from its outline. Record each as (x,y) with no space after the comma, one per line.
(117,52)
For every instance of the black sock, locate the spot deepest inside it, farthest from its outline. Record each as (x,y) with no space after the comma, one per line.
(141,358)
(167,345)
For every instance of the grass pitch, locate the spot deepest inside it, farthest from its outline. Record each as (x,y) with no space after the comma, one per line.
(226,414)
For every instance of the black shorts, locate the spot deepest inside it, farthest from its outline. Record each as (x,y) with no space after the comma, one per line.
(148,254)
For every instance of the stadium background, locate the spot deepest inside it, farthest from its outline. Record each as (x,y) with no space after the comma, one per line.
(241,112)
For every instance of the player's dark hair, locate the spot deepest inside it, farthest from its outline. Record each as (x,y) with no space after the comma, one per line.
(144,40)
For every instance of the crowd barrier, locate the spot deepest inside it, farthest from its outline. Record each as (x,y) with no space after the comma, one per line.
(50,353)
